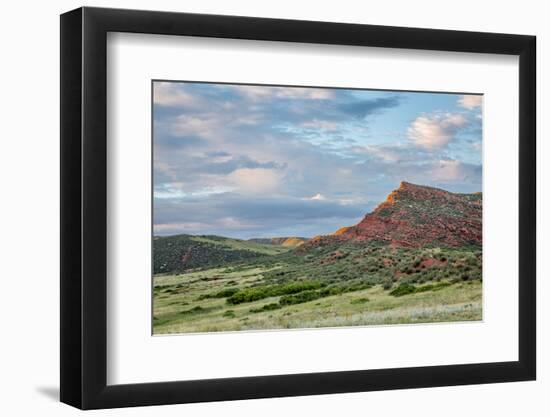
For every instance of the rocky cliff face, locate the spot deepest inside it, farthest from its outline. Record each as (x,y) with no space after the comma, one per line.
(417,216)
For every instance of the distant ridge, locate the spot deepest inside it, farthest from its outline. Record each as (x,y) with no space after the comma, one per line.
(282,241)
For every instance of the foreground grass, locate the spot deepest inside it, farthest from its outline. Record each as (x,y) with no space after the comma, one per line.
(198,302)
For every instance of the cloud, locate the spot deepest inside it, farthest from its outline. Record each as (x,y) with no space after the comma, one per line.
(390,154)
(436,130)
(470,102)
(186,125)
(248,161)
(318,197)
(256,92)
(319,124)
(363,108)
(175,190)
(256,180)
(171,94)
(253,215)
(450,171)
(224,223)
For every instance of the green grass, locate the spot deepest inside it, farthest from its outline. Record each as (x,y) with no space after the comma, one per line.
(291,291)
(237,244)
(361,300)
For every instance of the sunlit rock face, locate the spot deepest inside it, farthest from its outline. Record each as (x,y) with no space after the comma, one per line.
(417,216)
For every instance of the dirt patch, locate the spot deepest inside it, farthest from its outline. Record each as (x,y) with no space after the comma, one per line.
(333,257)
(387,262)
(431,262)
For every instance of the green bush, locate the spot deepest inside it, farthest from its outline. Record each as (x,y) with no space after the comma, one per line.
(302,297)
(194,310)
(387,284)
(228,292)
(424,288)
(266,307)
(440,285)
(332,290)
(403,289)
(258,293)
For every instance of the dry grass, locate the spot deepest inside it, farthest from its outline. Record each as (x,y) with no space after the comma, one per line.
(177,298)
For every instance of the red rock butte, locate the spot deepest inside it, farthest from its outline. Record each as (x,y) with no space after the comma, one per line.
(417,216)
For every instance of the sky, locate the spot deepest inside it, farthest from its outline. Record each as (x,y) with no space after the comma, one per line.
(249,161)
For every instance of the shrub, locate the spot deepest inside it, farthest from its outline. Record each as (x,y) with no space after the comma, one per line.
(266,307)
(333,290)
(359,300)
(248,295)
(440,285)
(428,287)
(257,293)
(302,297)
(341,289)
(229,314)
(424,288)
(228,292)
(403,289)
(196,309)
(225,293)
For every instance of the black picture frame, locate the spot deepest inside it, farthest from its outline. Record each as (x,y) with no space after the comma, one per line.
(84,207)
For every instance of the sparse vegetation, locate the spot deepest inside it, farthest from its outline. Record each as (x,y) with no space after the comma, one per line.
(266,307)
(361,300)
(229,313)
(364,284)
(185,252)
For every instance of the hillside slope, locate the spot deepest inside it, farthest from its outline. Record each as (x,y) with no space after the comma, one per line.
(185,252)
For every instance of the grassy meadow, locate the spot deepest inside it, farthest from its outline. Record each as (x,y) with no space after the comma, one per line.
(281,287)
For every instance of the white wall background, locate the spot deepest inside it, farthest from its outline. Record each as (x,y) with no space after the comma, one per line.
(29,176)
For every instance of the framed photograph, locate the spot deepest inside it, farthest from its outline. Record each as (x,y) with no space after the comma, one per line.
(257,208)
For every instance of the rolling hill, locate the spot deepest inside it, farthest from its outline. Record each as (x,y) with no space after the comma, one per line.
(186,252)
